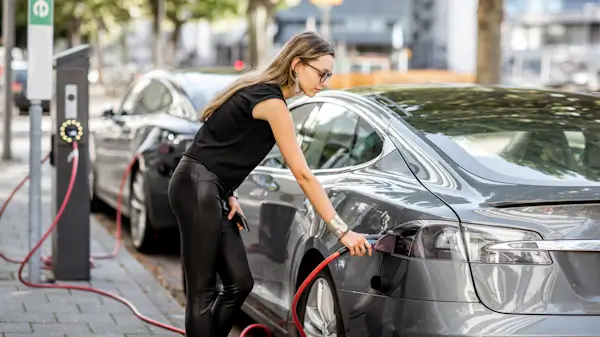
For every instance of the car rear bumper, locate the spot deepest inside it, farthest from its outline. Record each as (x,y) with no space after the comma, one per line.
(383,316)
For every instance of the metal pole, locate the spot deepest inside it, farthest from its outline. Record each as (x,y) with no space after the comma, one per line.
(35,188)
(8,40)
(158,53)
(326,22)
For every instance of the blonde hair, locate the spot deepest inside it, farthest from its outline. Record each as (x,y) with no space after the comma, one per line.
(305,46)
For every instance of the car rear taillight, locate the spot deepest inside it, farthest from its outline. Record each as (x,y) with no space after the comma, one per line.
(480,238)
(16,87)
(444,240)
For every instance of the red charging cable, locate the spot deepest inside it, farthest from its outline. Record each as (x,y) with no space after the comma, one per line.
(47,260)
(115,251)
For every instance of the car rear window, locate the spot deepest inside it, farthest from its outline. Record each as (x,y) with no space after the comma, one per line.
(534,146)
(20,75)
(201,88)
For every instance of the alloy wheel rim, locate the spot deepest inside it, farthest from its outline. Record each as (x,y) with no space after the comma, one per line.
(319,317)
(138,211)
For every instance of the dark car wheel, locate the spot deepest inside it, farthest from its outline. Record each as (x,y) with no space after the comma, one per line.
(319,309)
(94,202)
(141,229)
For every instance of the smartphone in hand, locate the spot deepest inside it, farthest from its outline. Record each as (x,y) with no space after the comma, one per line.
(241,221)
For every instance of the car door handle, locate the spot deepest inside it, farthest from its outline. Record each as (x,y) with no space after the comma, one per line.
(266,181)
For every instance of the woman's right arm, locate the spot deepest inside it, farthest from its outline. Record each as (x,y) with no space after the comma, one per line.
(275,112)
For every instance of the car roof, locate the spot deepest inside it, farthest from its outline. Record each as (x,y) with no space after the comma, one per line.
(19,65)
(420,100)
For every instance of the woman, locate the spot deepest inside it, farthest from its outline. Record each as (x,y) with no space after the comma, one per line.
(241,125)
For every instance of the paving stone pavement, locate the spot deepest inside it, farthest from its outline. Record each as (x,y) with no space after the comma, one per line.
(53,312)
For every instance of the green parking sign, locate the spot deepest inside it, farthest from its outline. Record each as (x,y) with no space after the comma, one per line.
(40,12)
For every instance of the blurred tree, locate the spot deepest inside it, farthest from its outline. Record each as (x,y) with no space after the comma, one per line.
(259,16)
(20,23)
(489,19)
(75,19)
(85,17)
(178,12)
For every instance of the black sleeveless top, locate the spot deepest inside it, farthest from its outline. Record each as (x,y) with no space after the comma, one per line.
(231,143)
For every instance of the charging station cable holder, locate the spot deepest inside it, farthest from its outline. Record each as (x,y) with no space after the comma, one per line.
(71,130)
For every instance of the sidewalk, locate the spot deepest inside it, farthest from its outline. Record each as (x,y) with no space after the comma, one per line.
(54,312)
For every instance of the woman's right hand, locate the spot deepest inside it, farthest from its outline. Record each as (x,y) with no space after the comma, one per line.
(356,243)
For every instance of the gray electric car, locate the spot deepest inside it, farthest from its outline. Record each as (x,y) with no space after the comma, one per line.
(490,195)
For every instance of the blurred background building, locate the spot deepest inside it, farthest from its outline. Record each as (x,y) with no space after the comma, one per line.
(553,42)
(544,42)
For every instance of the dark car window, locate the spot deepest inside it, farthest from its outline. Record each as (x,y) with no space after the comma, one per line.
(367,146)
(201,88)
(132,97)
(328,136)
(299,116)
(155,97)
(550,147)
(20,76)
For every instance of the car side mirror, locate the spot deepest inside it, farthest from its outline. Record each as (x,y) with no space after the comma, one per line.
(266,181)
(108,112)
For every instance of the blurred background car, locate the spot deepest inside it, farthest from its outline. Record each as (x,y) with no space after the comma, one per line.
(19,87)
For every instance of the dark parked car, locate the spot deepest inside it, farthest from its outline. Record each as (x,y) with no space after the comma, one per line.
(490,194)
(156,119)
(19,87)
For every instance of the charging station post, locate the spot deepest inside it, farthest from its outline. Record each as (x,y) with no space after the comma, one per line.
(71,239)
(40,46)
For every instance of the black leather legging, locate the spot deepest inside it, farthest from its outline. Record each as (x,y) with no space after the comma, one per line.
(210,244)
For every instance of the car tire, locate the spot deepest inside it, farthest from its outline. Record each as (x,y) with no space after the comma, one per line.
(142,235)
(183,282)
(95,203)
(312,316)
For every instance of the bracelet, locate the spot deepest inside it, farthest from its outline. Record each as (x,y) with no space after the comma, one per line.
(338,226)
(343,234)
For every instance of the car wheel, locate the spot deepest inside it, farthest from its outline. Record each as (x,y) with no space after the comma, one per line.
(141,230)
(94,202)
(319,309)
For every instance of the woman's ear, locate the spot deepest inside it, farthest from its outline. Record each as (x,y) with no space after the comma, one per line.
(295,63)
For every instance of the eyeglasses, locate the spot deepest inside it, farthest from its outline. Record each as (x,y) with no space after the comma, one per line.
(325,75)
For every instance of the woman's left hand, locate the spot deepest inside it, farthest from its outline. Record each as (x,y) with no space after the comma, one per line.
(235,207)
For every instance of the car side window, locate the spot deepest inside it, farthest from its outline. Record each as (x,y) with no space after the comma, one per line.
(131,98)
(327,137)
(367,144)
(299,116)
(155,97)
